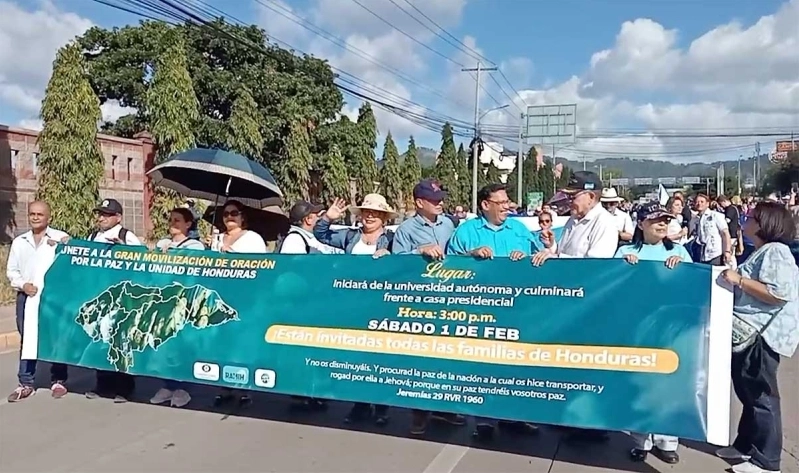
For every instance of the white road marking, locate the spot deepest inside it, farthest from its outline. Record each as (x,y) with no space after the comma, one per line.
(447,459)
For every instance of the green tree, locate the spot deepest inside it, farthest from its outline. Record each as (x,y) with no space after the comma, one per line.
(171,112)
(780,177)
(530,178)
(464,173)
(365,172)
(546,180)
(244,128)
(294,168)
(493,175)
(335,180)
(222,58)
(391,183)
(70,161)
(411,172)
(447,163)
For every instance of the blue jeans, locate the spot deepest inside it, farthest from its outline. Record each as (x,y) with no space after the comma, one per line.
(754,378)
(27,368)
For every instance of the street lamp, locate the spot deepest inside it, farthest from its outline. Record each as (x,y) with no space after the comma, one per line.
(475,151)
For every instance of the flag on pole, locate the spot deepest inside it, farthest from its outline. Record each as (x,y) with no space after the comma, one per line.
(663,195)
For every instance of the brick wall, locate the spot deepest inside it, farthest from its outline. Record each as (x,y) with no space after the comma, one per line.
(124,179)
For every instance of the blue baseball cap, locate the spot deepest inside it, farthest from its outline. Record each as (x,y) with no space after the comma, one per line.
(652,211)
(429,189)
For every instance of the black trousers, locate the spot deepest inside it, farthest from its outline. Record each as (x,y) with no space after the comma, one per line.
(754,378)
(114,383)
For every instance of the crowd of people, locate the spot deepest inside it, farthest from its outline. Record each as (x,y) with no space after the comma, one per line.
(764,277)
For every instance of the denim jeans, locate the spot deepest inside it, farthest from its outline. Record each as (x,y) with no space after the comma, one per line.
(27,368)
(754,378)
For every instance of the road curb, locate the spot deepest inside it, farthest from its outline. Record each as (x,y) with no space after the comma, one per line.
(9,341)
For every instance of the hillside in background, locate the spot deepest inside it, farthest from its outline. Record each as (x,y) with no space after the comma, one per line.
(626,167)
(629,167)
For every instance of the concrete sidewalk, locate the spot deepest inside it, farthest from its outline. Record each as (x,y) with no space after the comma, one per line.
(75,434)
(9,338)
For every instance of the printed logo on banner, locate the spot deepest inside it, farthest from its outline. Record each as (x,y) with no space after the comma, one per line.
(265,378)
(235,375)
(206,371)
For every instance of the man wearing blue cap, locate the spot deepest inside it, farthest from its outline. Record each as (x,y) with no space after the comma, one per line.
(427,233)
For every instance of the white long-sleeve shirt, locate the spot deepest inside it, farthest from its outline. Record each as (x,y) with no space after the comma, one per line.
(594,236)
(25,256)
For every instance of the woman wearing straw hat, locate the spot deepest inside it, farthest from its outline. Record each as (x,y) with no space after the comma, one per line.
(370,238)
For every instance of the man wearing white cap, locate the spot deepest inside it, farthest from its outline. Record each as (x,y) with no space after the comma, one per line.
(611,200)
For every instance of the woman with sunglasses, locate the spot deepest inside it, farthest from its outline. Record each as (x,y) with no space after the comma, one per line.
(236,238)
(765,327)
(546,236)
(651,242)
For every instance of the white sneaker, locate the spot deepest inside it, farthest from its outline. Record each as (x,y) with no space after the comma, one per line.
(163,395)
(750,468)
(731,453)
(180,398)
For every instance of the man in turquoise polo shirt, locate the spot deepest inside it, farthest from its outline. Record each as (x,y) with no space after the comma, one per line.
(494,235)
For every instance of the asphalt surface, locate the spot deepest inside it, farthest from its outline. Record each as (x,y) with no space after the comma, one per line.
(75,434)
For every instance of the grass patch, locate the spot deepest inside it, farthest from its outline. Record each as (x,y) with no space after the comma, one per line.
(7,294)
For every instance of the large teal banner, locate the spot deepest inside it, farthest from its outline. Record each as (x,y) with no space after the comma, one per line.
(589,343)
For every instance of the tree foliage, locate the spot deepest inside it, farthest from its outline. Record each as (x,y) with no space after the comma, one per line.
(391,182)
(365,171)
(530,178)
(447,163)
(335,180)
(464,173)
(70,161)
(171,112)
(411,172)
(286,88)
(780,177)
(493,174)
(244,128)
(293,170)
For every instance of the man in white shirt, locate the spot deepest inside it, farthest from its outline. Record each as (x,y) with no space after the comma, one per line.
(713,243)
(611,200)
(590,232)
(27,251)
(300,239)
(109,225)
(110,230)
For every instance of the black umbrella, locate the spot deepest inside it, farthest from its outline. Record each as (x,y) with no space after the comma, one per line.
(269,222)
(211,174)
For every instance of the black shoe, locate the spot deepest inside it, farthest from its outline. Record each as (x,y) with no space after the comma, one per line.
(358,413)
(245,400)
(672,458)
(518,428)
(381,415)
(91,395)
(638,454)
(484,432)
(451,419)
(223,398)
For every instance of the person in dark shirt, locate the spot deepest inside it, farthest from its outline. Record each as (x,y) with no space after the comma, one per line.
(733,216)
(687,215)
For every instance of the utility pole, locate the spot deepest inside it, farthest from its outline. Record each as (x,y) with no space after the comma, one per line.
(476,147)
(755,166)
(520,163)
(739,173)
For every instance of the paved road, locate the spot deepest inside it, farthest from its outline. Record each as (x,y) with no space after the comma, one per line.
(78,435)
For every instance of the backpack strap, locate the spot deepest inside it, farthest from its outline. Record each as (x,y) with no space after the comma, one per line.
(293,231)
(93,235)
(123,234)
(179,244)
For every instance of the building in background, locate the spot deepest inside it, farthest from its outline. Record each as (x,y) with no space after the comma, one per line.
(124,180)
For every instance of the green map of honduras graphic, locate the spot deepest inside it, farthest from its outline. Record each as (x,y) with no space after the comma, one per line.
(131,318)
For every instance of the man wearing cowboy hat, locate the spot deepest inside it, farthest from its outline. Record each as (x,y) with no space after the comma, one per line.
(611,200)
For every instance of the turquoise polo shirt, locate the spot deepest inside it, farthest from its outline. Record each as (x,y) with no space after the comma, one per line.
(511,236)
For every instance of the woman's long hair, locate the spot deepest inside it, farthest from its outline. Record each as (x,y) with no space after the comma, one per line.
(638,239)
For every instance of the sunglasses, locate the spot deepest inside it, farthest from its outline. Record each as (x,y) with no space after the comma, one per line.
(231,213)
(544,221)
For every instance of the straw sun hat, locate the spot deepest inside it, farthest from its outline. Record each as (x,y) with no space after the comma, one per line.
(376,203)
